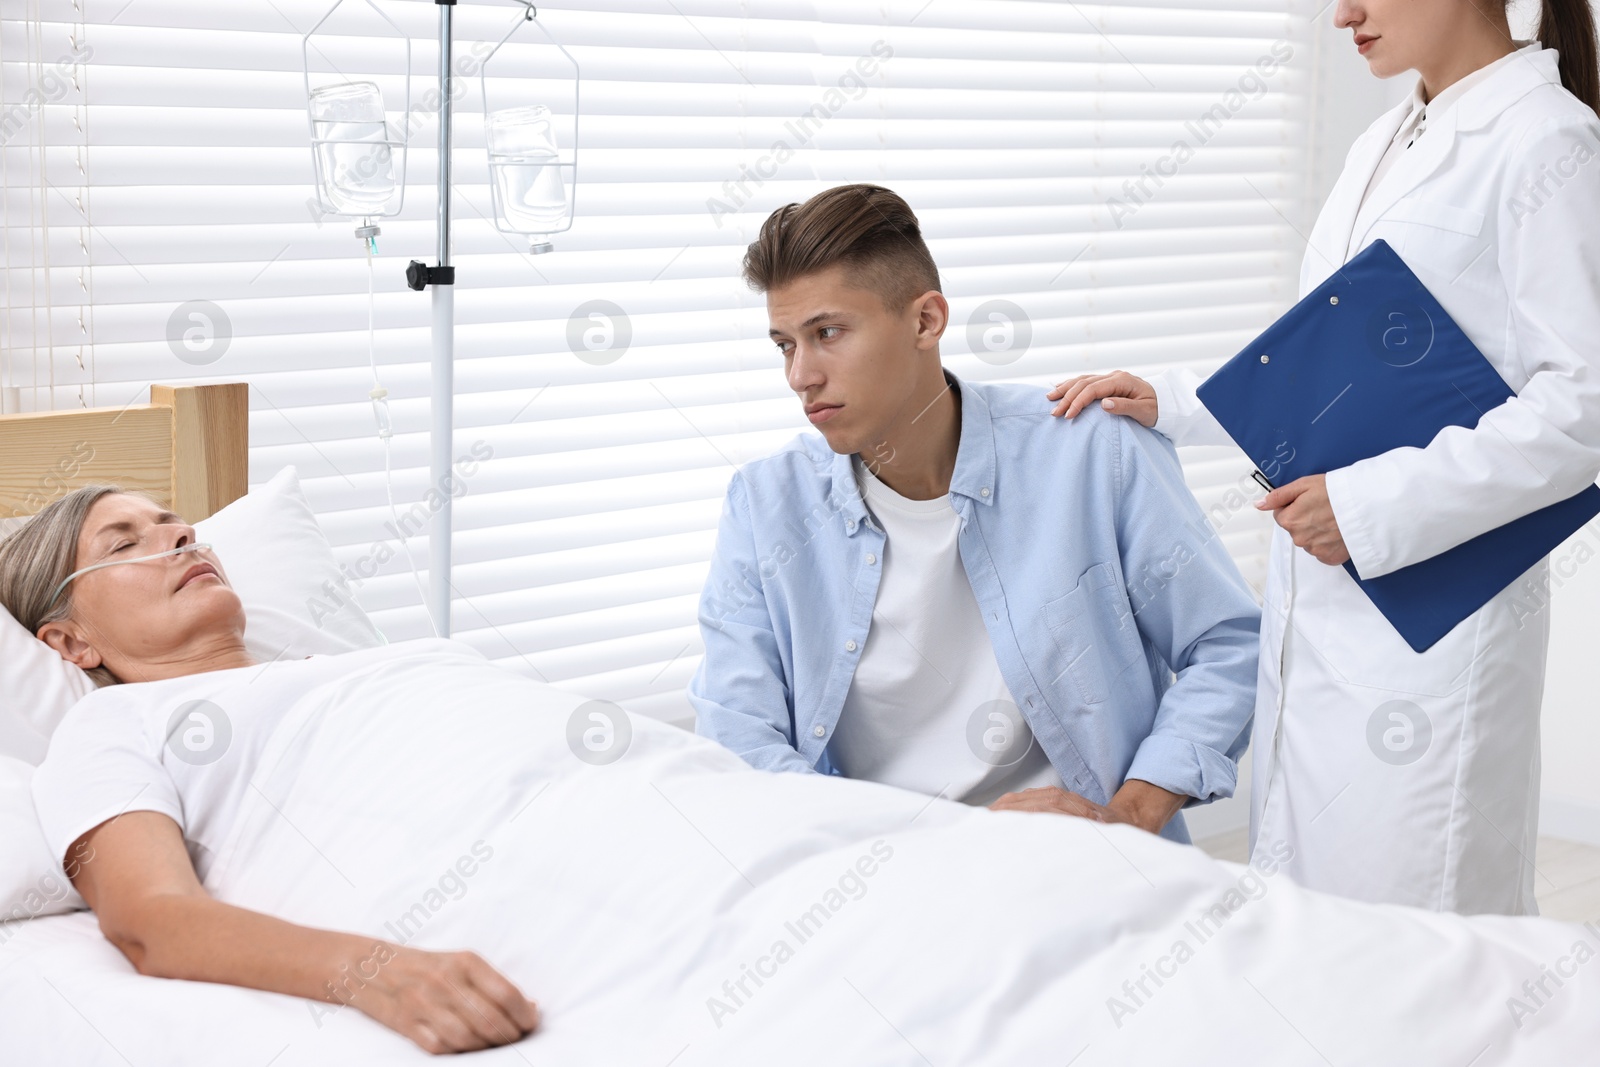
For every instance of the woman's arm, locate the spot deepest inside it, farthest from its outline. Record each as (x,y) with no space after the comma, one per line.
(138,879)
(1539,447)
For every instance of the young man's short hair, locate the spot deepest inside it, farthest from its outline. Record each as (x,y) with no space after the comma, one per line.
(868,229)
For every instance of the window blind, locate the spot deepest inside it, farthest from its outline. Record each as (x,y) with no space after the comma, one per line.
(1102,186)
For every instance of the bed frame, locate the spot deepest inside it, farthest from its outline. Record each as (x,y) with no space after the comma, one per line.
(187,448)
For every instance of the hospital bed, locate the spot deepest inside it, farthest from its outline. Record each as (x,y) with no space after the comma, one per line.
(677,908)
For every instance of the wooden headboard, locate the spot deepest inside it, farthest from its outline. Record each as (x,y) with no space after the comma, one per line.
(187,448)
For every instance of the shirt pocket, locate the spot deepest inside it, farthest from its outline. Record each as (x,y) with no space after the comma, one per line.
(1441,243)
(1094,628)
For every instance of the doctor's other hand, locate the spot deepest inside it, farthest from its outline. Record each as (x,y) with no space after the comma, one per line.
(1302,507)
(1119,392)
(445,1001)
(1057,801)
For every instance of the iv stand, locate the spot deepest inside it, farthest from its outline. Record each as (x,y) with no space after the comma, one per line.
(442,278)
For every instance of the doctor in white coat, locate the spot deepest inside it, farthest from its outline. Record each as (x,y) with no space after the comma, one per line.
(1398,776)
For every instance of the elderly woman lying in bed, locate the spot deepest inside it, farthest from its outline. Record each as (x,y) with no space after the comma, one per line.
(668,902)
(136,817)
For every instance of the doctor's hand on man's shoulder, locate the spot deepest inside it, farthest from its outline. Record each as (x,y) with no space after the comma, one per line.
(1119,392)
(1301,507)
(1137,803)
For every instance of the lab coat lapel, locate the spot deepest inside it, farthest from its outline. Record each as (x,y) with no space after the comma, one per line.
(1409,171)
(1477,107)
(1328,245)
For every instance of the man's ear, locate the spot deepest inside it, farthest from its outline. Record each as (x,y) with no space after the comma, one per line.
(933,315)
(70,645)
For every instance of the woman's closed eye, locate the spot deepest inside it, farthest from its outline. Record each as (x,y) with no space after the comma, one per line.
(119,549)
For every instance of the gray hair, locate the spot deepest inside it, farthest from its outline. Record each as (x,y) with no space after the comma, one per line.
(38,557)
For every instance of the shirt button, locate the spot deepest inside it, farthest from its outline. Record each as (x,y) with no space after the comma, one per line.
(820,731)
(849,646)
(871,558)
(984,491)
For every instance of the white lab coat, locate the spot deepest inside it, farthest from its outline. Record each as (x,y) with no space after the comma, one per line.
(1433,801)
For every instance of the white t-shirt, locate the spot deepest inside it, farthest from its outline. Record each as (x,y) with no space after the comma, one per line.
(927,697)
(186,747)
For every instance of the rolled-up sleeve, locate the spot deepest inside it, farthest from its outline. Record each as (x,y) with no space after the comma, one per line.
(1198,612)
(739,692)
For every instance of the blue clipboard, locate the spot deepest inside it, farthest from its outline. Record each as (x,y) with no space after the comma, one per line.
(1367,362)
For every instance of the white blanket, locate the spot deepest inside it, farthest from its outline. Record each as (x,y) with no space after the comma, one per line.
(675,907)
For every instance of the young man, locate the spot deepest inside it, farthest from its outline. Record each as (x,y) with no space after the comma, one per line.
(950,590)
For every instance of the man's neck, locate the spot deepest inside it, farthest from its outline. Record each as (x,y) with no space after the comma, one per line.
(918,459)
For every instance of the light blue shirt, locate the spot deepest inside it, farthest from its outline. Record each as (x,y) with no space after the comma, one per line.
(1098,576)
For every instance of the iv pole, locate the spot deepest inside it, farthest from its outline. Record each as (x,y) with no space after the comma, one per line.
(442,278)
(444,343)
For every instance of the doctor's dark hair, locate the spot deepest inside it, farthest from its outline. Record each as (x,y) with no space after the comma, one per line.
(1568,27)
(868,229)
(38,557)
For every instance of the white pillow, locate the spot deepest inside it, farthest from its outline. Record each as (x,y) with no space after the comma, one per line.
(31,881)
(37,687)
(279,563)
(296,599)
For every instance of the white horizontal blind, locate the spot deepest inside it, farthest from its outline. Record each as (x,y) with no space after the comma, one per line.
(1125,177)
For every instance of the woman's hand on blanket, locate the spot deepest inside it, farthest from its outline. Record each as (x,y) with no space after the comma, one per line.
(447,1001)
(135,872)
(1119,392)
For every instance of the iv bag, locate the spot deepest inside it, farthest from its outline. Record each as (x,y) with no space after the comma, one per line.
(525,167)
(355,158)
